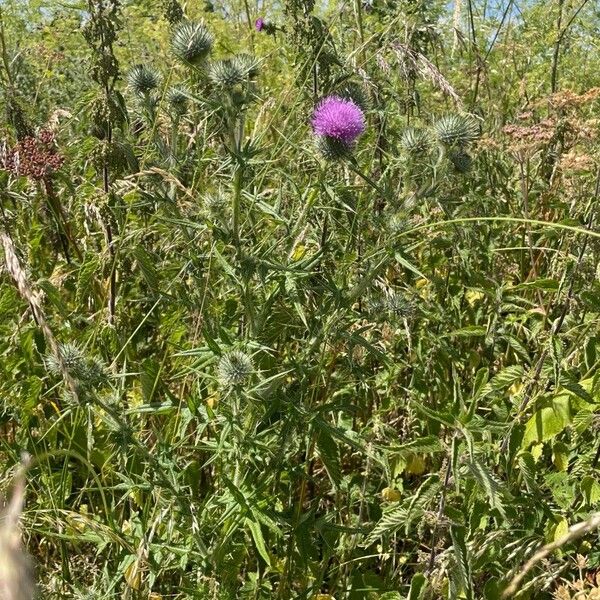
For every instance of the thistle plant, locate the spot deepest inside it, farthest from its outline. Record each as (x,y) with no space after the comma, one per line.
(89,374)
(416,142)
(100,33)
(310,387)
(235,369)
(178,99)
(456,131)
(261,25)
(337,123)
(143,79)
(191,42)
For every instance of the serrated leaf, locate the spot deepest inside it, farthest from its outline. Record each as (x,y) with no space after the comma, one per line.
(259,540)
(528,469)
(590,489)
(470,331)
(423,445)
(489,484)
(392,519)
(147,267)
(462,574)
(503,379)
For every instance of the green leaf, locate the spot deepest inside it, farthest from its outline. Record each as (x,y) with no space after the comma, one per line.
(503,379)
(528,469)
(490,485)
(546,423)
(470,331)
(590,489)
(544,283)
(417,586)
(390,522)
(259,540)
(147,267)
(462,574)
(562,528)
(329,453)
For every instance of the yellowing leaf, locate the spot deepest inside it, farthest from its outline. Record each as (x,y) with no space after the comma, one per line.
(299,252)
(133,576)
(473,296)
(415,464)
(561,529)
(391,495)
(537,450)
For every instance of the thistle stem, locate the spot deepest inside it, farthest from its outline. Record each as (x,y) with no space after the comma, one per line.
(354,168)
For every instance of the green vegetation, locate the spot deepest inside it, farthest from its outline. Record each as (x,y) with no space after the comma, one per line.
(300,299)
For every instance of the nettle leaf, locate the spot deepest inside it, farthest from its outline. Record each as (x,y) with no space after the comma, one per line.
(393,518)
(460,577)
(147,267)
(590,490)
(492,488)
(422,500)
(503,379)
(259,540)
(546,423)
(529,470)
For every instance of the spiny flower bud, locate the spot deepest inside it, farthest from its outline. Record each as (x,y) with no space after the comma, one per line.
(191,42)
(333,149)
(415,141)
(226,73)
(247,64)
(72,358)
(456,130)
(235,368)
(398,306)
(216,204)
(178,97)
(461,160)
(142,79)
(88,372)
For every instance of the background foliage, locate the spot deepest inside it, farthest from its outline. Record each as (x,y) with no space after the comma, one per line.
(243,371)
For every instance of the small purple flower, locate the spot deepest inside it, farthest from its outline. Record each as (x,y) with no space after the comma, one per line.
(338,118)
(259,24)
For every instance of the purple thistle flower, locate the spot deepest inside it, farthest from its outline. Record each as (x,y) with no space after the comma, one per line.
(338,118)
(259,24)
